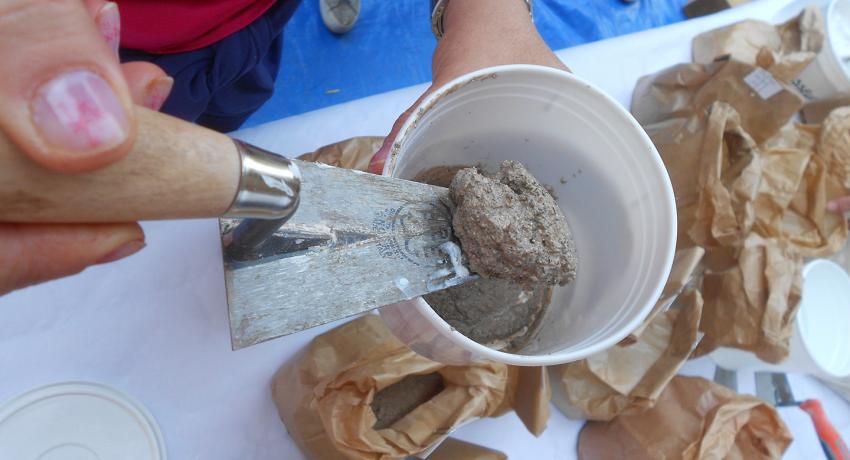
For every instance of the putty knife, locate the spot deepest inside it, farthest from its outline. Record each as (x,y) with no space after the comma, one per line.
(303,244)
(774,388)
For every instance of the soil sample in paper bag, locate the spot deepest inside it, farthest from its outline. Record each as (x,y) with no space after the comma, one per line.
(694,419)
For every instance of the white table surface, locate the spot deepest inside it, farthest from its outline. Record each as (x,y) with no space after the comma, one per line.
(155,325)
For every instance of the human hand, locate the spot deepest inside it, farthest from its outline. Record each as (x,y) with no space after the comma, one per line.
(68,105)
(478,34)
(839,205)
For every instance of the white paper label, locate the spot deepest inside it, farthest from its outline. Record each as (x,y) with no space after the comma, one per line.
(763,83)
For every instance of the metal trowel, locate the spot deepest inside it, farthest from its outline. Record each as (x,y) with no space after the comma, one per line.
(303,243)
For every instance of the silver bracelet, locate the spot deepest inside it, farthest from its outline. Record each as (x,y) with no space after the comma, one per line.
(438,12)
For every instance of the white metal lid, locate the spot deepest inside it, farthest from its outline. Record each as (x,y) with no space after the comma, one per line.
(78,421)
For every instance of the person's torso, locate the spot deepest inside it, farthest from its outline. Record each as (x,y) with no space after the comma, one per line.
(172,26)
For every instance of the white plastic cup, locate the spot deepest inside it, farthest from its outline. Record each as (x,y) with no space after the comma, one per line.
(610,182)
(820,345)
(827,76)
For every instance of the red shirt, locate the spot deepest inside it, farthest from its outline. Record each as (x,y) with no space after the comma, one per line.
(172,26)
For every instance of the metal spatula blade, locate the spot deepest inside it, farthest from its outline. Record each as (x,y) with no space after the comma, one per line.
(358,241)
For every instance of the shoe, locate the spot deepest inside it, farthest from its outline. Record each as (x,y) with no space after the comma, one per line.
(339,15)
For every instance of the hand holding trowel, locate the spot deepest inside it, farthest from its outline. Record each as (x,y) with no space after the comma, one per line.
(304,244)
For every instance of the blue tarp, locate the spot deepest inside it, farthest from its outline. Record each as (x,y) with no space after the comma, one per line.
(391,46)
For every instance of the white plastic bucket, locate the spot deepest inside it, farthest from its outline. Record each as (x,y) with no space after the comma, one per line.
(820,345)
(610,182)
(827,76)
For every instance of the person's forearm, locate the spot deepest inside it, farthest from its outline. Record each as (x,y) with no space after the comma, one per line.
(472,17)
(500,32)
(478,34)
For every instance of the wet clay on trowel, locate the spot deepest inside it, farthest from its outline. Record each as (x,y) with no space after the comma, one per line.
(399,399)
(496,313)
(511,228)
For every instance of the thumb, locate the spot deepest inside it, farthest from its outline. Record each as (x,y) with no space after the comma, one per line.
(32,253)
(839,205)
(376,165)
(65,103)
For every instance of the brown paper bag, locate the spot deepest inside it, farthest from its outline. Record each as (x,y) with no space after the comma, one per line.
(694,419)
(629,379)
(672,104)
(753,305)
(784,50)
(811,230)
(785,158)
(324,394)
(743,196)
(695,135)
(815,112)
(834,144)
(530,399)
(728,179)
(455,449)
(354,153)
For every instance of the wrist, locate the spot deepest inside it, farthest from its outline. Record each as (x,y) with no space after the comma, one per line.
(487,33)
(499,14)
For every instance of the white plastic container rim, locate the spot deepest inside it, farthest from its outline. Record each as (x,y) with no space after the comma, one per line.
(136,418)
(478,350)
(826,75)
(838,364)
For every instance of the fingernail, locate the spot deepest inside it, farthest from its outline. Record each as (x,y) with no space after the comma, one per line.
(108,20)
(832,206)
(157,92)
(128,249)
(79,111)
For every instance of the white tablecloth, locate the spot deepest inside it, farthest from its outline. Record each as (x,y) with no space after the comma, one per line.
(155,325)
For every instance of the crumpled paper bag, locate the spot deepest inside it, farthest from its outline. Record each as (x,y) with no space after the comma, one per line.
(752,288)
(672,104)
(629,379)
(784,50)
(531,396)
(728,179)
(815,112)
(752,306)
(455,449)
(748,185)
(354,153)
(324,394)
(818,160)
(694,419)
(834,144)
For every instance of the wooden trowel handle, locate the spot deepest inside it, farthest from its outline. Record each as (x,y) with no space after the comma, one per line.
(174,170)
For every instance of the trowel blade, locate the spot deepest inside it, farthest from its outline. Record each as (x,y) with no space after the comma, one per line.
(358,241)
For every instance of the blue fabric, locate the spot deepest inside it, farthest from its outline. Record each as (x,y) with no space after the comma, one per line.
(221,85)
(391,46)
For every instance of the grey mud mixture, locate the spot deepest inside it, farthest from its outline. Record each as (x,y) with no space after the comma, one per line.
(500,313)
(399,399)
(510,227)
(493,312)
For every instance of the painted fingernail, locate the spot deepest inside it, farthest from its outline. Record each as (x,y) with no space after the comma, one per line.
(128,249)
(108,20)
(832,206)
(157,92)
(79,111)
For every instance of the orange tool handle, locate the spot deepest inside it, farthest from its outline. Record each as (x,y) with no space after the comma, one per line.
(833,446)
